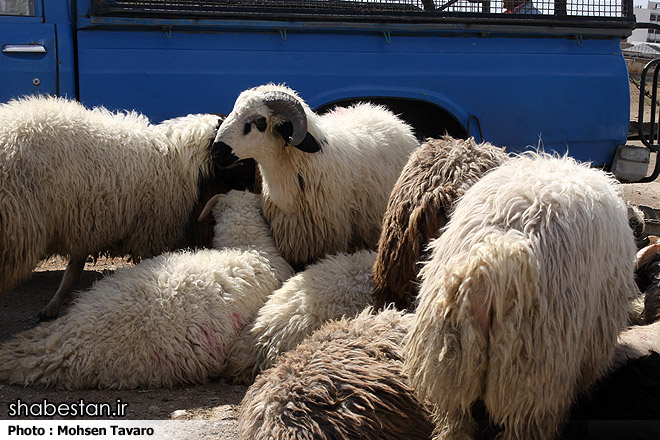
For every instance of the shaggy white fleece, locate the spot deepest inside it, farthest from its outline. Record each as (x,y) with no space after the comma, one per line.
(168,320)
(79,182)
(523,297)
(335,287)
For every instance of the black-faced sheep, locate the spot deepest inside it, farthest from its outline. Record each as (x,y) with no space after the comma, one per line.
(168,320)
(437,174)
(519,305)
(647,276)
(326,179)
(334,287)
(79,182)
(345,382)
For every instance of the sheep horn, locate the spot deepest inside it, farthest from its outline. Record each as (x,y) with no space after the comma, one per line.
(647,254)
(204,215)
(292,110)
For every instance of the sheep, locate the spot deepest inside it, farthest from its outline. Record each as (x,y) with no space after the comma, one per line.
(345,381)
(523,297)
(326,178)
(623,405)
(339,285)
(437,174)
(168,320)
(647,276)
(643,339)
(79,182)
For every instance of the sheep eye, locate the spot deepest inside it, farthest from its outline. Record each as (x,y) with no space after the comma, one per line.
(246,128)
(260,123)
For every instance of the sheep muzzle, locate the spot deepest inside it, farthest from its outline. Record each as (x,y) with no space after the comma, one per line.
(223,155)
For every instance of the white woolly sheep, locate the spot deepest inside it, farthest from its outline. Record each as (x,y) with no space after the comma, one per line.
(337,286)
(345,381)
(79,182)
(437,174)
(523,298)
(168,320)
(326,178)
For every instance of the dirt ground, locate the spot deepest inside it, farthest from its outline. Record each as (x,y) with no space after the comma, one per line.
(217,403)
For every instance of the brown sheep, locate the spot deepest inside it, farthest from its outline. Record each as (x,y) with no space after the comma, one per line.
(344,381)
(437,174)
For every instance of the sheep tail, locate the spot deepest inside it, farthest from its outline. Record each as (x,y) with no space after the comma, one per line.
(463,300)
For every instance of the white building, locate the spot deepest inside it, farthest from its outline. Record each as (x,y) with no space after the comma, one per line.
(645,15)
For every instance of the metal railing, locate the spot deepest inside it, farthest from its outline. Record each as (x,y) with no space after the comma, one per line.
(408,10)
(650,139)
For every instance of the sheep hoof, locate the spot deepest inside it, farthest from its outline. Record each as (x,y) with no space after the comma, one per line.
(46,314)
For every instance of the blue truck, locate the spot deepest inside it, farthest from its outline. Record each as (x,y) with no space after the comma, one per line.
(555,78)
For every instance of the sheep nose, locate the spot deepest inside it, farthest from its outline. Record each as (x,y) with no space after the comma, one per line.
(222,155)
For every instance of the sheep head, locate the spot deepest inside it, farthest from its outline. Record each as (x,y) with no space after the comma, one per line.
(264,120)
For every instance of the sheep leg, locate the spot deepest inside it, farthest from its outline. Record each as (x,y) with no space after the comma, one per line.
(69,281)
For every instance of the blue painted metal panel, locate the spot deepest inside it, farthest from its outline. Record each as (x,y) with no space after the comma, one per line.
(562,93)
(60,13)
(27,73)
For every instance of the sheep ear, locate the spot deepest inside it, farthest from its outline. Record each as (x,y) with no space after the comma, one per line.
(308,144)
(498,273)
(285,129)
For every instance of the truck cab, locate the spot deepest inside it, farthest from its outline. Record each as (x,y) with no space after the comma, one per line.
(554,78)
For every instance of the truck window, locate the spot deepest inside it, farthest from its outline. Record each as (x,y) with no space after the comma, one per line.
(17,7)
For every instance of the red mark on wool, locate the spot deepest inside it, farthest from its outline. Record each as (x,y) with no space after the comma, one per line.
(210,336)
(237,322)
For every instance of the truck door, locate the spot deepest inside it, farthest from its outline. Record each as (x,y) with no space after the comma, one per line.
(28,50)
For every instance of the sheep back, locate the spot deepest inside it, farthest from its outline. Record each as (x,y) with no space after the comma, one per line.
(523,297)
(166,321)
(342,382)
(637,341)
(437,174)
